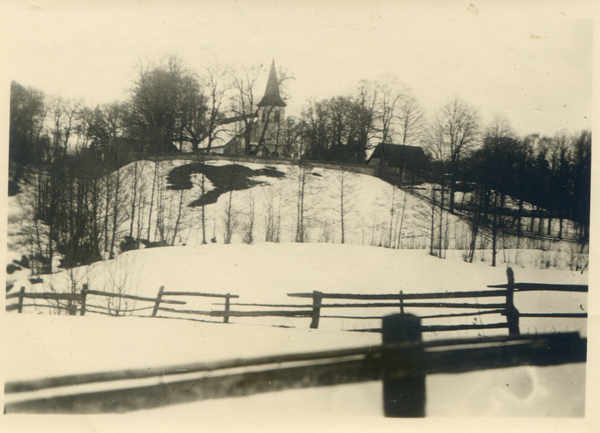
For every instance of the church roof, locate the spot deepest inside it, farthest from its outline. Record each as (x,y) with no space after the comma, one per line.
(272,96)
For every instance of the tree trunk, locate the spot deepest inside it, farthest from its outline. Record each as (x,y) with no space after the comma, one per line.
(432,234)
(175,230)
(134,199)
(494,228)
(152,198)
(115,215)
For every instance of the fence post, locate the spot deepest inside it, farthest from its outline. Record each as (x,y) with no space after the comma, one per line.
(401,303)
(403,381)
(83,299)
(21,296)
(317,297)
(158,299)
(512,315)
(226,316)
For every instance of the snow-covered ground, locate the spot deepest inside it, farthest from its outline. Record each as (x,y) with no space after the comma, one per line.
(42,345)
(267,272)
(39,344)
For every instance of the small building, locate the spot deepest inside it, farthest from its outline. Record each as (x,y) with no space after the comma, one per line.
(399,163)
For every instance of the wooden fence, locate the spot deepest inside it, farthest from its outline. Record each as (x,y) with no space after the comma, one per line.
(402,304)
(503,307)
(402,362)
(78,302)
(444,300)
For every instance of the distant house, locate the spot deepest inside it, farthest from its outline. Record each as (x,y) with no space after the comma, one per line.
(399,163)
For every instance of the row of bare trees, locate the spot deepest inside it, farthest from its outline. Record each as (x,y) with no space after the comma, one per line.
(507,183)
(344,128)
(82,200)
(170,107)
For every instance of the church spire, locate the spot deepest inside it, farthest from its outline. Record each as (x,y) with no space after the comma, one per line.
(272,96)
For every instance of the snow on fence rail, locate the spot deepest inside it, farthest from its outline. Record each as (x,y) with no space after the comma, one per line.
(401,362)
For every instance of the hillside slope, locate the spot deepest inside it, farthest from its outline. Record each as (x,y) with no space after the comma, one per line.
(182,202)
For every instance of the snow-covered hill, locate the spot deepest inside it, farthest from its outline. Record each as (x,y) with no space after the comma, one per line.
(164,202)
(42,344)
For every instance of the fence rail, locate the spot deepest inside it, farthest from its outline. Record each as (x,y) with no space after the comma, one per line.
(505,309)
(402,361)
(404,296)
(80,300)
(528,287)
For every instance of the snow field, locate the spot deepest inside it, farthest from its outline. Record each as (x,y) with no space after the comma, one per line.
(42,344)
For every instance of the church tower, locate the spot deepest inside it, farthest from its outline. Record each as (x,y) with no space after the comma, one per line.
(271,112)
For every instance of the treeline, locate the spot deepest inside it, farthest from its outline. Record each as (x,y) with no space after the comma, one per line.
(346,128)
(169,105)
(172,108)
(509,186)
(504,183)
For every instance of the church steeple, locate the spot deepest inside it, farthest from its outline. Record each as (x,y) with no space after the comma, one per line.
(272,96)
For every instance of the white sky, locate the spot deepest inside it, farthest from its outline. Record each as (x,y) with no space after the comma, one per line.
(531,62)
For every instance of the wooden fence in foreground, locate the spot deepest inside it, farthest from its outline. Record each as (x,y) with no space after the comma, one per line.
(402,362)
(503,306)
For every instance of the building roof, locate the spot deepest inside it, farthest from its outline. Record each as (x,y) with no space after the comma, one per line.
(272,96)
(398,155)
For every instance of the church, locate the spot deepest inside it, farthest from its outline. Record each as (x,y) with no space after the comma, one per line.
(266,135)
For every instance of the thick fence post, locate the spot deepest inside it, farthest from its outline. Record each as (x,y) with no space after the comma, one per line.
(403,381)
(226,316)
(316,314)
(158,299)
(512,315)
(21,296)
(84,293)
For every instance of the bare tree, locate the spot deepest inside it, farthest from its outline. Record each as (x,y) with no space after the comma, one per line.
(343,192)
(302,199)
(230,213)
(180,208)
(453,134)
(120,280)
(242,102)
(64,115)
(217,84)
(402,215)
(230,218)
(134,195)
(249,217)
(388,103)
(272,213)
(200,181)
(411,125)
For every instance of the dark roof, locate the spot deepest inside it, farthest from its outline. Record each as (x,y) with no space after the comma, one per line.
(397,155)
(272,96)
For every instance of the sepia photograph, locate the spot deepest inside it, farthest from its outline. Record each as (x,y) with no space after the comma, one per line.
(299,216)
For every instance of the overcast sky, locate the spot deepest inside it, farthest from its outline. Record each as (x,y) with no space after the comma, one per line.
(529,61)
